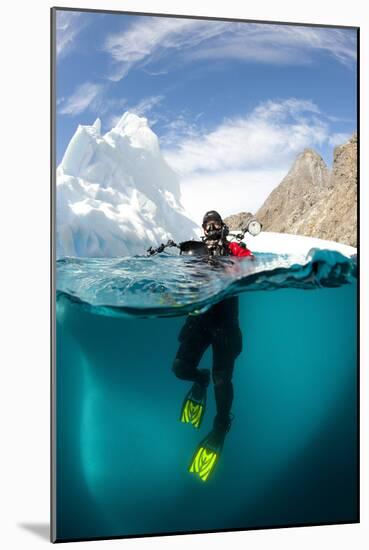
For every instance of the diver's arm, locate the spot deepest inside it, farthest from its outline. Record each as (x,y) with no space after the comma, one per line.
(151,251)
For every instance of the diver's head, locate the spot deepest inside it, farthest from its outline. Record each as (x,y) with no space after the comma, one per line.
(213,226)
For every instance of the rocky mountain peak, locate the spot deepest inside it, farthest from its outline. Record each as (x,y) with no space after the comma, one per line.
(309,153)
(308,169)
(314,201)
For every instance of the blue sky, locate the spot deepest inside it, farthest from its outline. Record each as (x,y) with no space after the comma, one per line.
(232,103)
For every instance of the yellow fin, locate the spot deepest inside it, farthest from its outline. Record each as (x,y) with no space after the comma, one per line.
(203,462)
(192,413)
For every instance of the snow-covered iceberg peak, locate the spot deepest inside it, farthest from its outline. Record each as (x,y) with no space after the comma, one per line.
(116,195)
(97,126)
(137,130)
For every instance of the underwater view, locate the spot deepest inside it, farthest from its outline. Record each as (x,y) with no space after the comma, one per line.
(123,453)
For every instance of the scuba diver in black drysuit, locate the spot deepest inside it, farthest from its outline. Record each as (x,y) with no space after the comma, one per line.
(218,327)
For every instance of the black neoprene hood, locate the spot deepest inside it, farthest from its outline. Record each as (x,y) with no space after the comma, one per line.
(212,215)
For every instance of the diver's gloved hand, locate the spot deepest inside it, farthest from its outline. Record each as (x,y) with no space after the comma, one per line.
(150,251)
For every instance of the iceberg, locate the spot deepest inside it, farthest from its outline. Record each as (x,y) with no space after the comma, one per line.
(116,195)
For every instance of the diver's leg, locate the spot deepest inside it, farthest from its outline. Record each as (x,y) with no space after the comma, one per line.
(227,345)
(194,339)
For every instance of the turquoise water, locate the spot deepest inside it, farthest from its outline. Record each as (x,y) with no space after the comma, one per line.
(122,454)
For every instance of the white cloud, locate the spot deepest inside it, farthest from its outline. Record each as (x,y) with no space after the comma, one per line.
(338,139)
(115,108)
(179,128)
(228,192)
(81,99)
(104,105)
(269,136)
(235,166)
(146,104)
(150,39)
(68,25)
(281,44)
(92,96)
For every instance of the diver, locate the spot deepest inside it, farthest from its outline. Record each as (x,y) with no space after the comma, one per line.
(217,327)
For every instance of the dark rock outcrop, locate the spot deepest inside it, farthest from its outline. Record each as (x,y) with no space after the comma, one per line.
(237,222)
